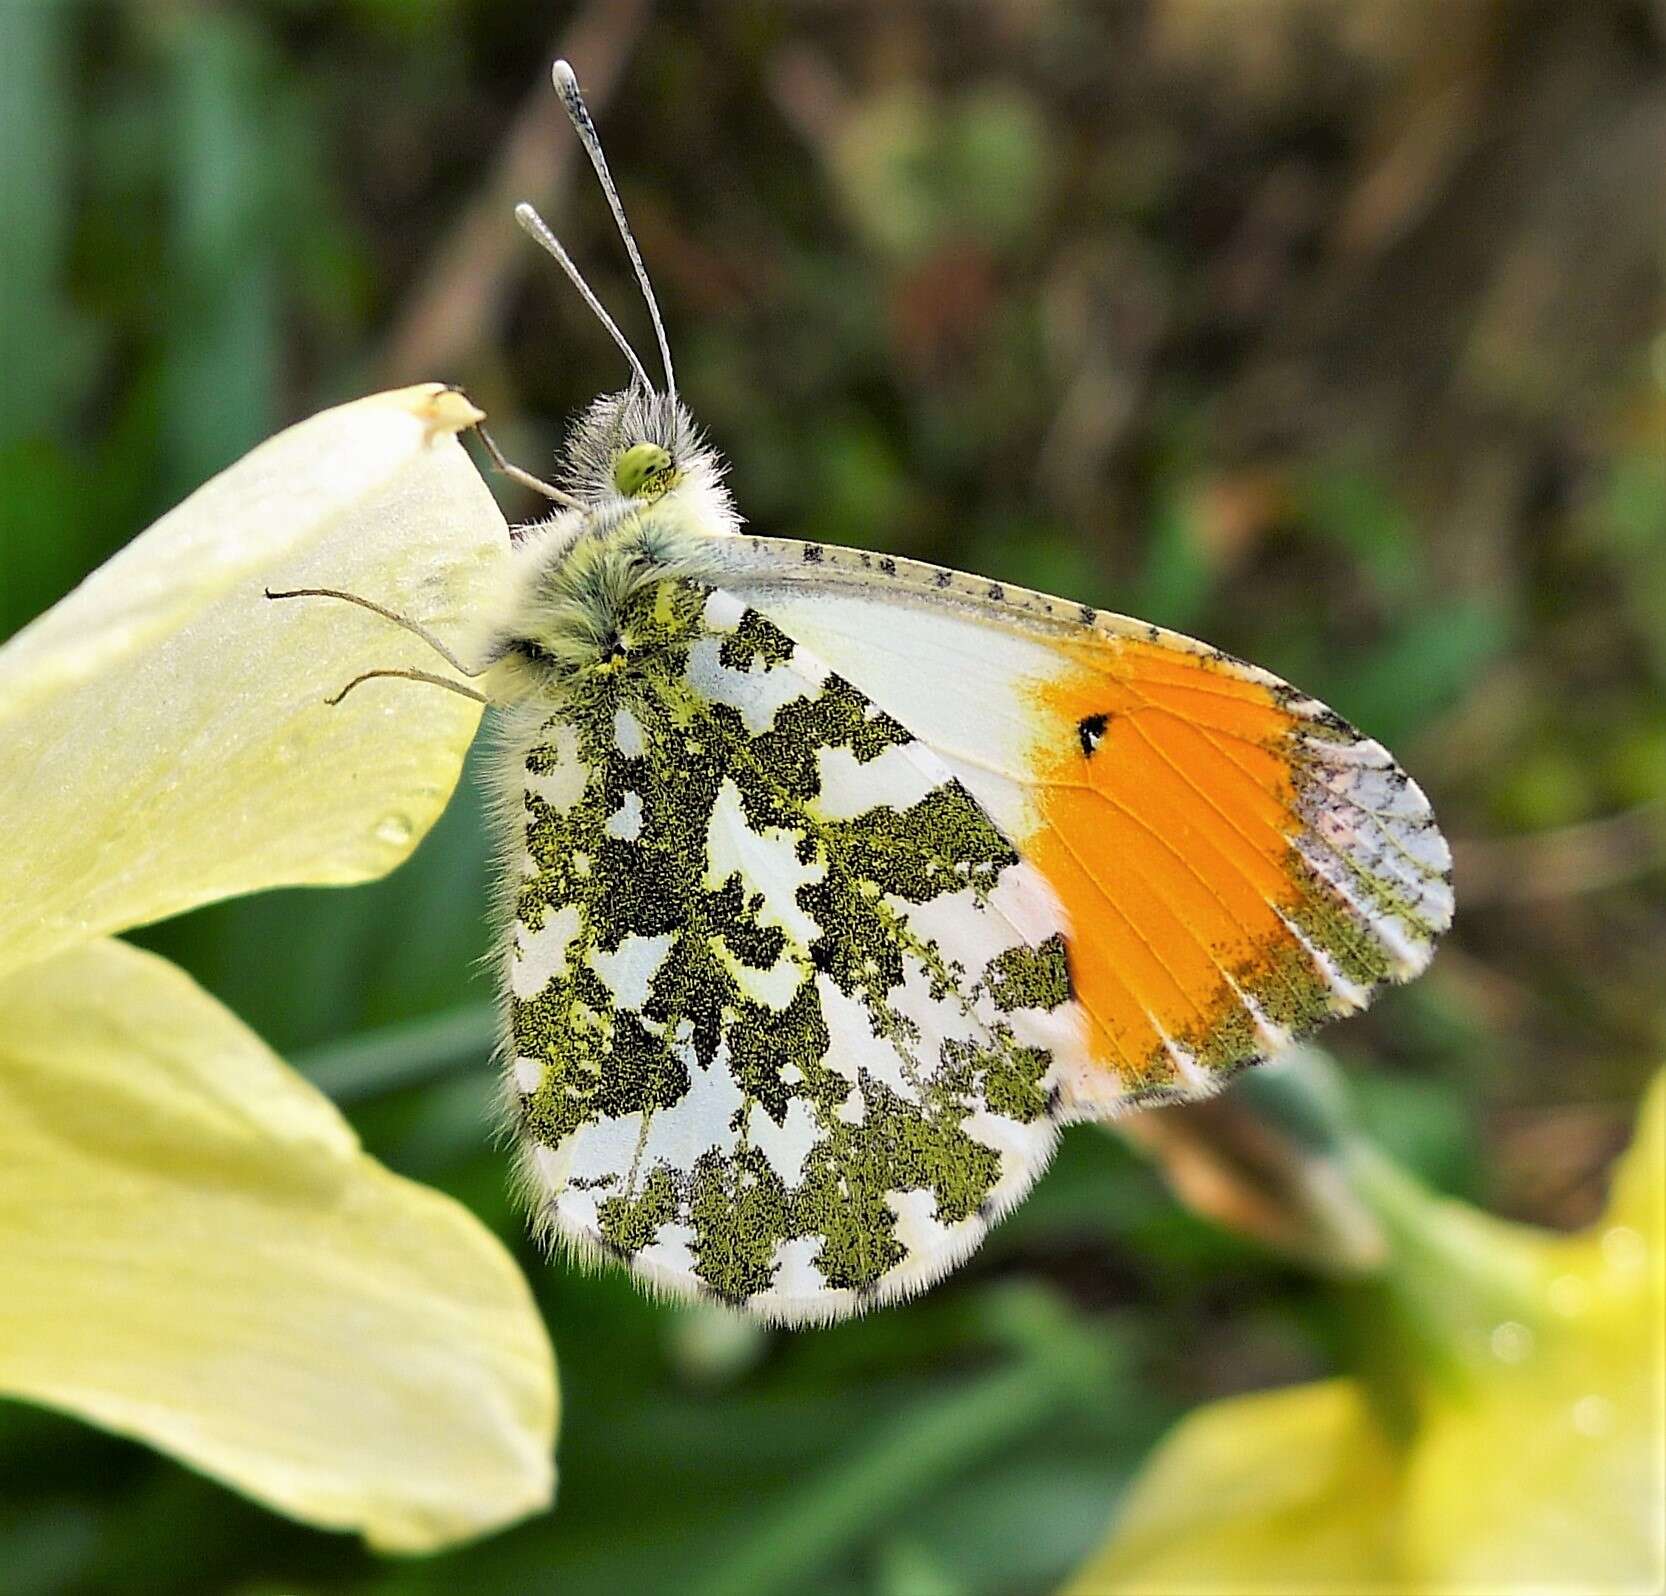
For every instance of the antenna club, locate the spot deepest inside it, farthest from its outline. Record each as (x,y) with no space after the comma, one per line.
(566,86)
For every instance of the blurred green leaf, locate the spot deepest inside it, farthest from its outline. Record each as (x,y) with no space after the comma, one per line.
(1422,669)
(1175,581)
(1058,1363)
(47,1549)
(1356,511)
(1630,520)
(45,349)
(906,1568)
(412,1053)
(916,171)
(224,282)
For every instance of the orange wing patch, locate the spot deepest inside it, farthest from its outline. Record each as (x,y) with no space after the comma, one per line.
(1237,863)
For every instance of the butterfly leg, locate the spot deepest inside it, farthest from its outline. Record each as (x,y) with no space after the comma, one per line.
(409,676)
(516,474)
(416,628)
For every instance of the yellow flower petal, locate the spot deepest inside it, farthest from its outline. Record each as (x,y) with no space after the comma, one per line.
(1637,1197)
(1533,1455)
(1282,1492)
(1546,1469)
(194,1251)
(163,736)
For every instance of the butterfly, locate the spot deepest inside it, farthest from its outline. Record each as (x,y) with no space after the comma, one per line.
(833,884)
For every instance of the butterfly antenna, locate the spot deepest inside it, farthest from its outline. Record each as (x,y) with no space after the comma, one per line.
(566,85)
(534,224)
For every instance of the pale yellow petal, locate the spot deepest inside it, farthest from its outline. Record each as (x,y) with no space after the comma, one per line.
(194,1251)
(1281,1492)
(1637,1198)
(163,736)
(1547,1469)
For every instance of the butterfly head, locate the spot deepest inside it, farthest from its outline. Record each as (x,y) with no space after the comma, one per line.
(635,449)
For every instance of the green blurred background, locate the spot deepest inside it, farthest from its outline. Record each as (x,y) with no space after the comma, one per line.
(1329,332)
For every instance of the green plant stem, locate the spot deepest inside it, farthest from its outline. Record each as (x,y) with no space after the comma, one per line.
(397,1056)
(913,1453)
(1454,1272)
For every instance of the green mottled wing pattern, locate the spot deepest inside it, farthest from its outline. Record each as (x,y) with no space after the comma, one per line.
(784,1004)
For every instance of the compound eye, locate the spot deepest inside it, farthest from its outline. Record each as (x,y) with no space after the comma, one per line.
(643,471)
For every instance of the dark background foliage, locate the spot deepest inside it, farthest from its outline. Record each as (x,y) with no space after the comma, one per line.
(1330,332)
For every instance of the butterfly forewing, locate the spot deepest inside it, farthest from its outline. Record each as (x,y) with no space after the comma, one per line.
(1235,862)
(786,1007)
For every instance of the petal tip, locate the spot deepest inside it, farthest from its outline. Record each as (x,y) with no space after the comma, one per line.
(443,409)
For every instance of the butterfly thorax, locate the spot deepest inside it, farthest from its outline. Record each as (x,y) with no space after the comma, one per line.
(648,497)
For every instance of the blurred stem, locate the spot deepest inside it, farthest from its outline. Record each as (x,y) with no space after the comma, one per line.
(1280,1159)
(1268,1160)
(1563,861)
(1056,1361)
(1457,1274)
(397,1056)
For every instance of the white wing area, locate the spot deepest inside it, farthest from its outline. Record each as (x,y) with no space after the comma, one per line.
(960,674)
(785,1005)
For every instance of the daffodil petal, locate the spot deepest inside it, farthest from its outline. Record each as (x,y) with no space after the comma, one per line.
(1547,1469)
(1637,1197)
(163,736)
(194,1251)
(1282,1492)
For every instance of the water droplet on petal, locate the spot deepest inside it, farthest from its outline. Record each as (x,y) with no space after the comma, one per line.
(1511,1342)
(1623,1250)
(395,830)
(1593,1416)
(1569,1295)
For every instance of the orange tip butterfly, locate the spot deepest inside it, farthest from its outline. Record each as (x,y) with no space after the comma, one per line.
(834,884)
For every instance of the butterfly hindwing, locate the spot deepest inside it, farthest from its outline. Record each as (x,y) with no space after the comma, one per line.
(1235,862)
(785,1006)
